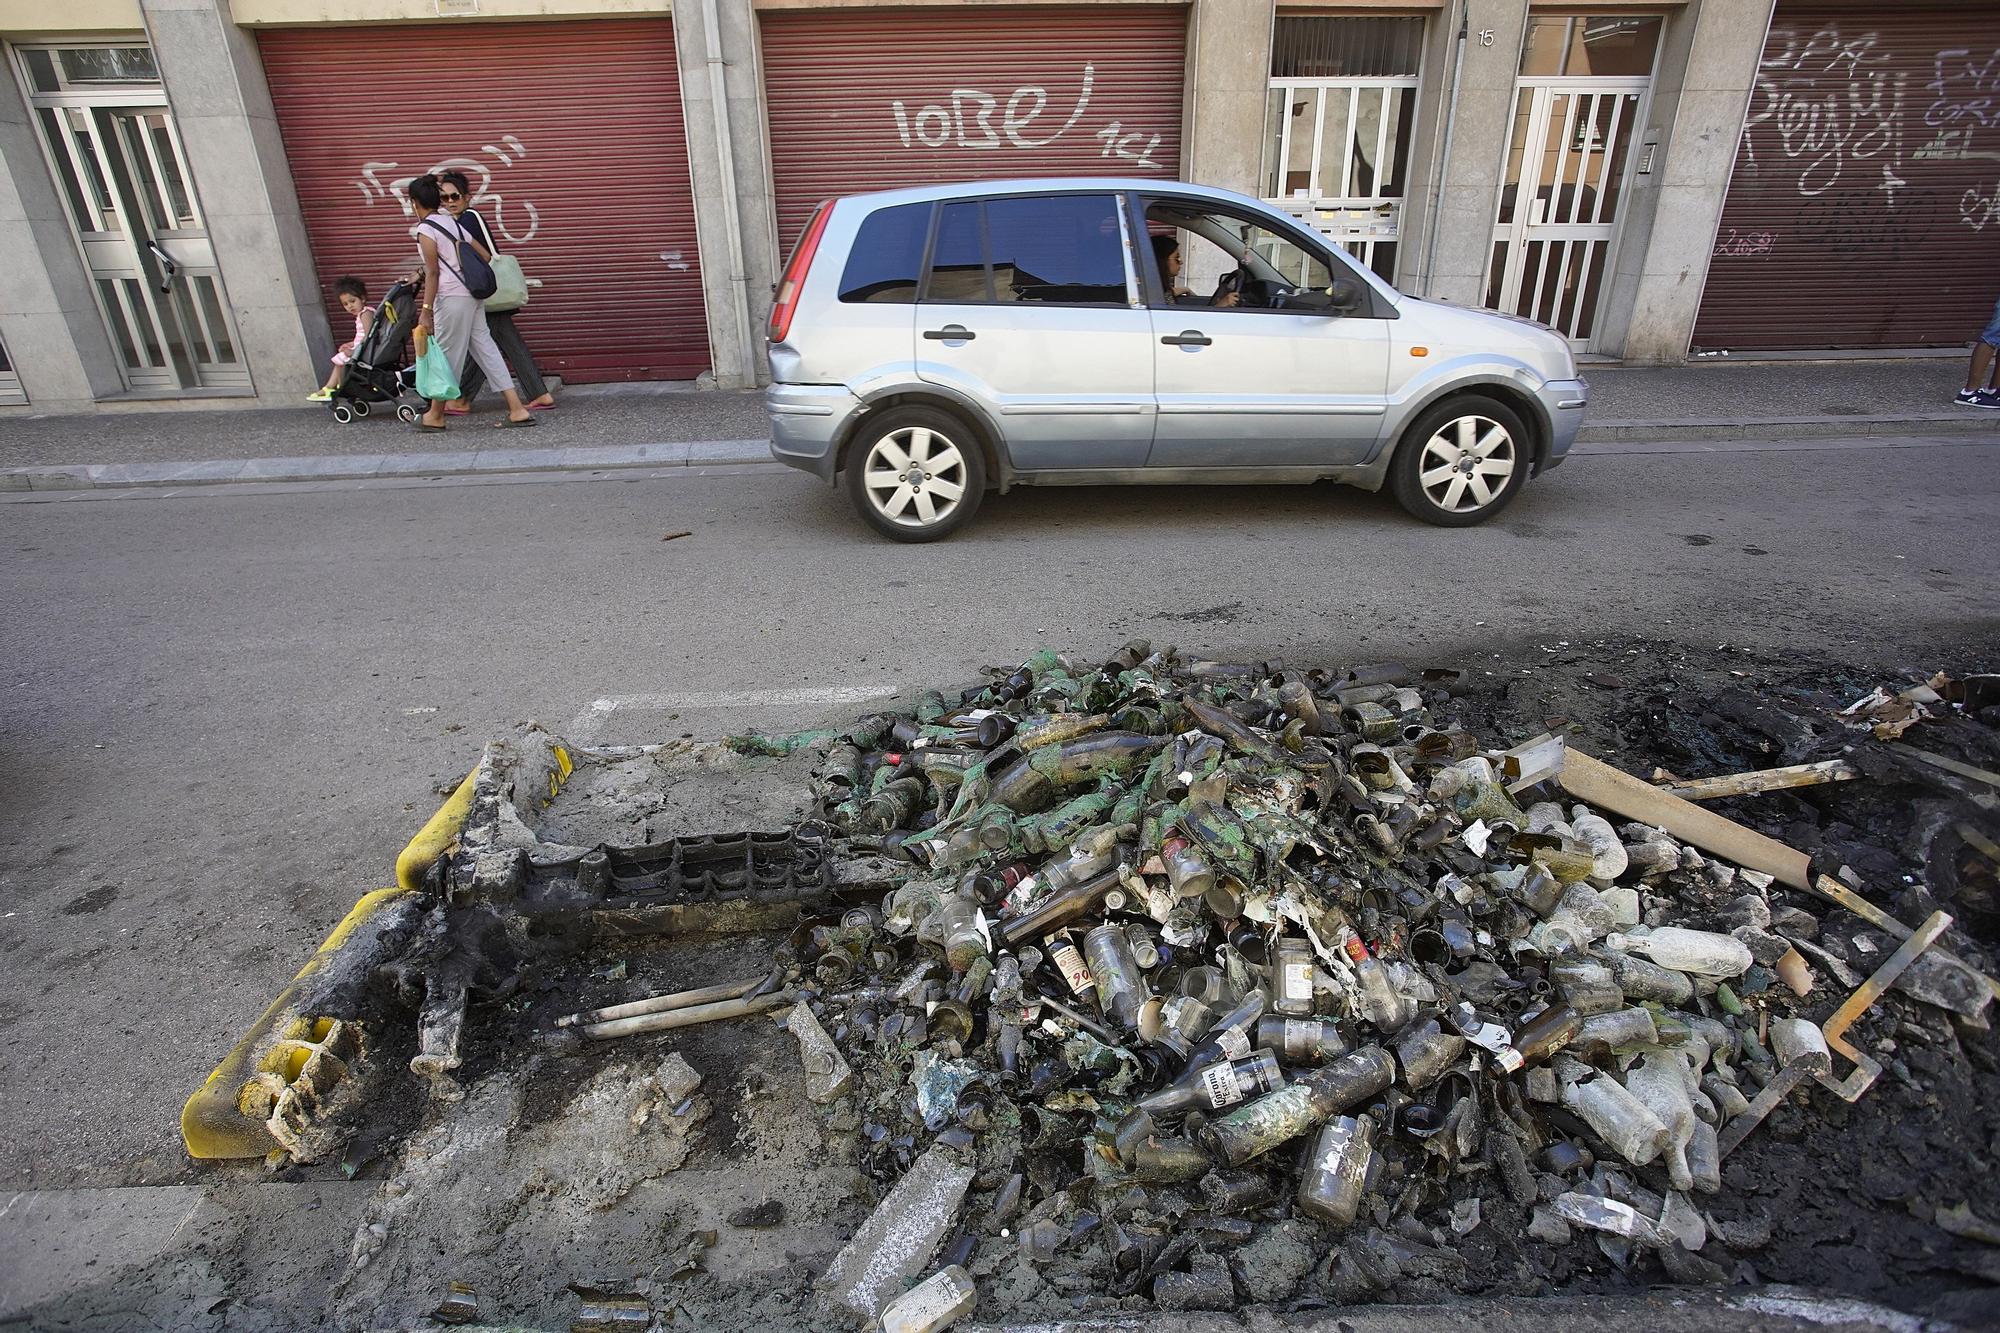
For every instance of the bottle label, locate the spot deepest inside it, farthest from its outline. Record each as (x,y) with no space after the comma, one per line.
(1235,1043)
(1074,970)
(1301,1034)
(1220,1086)
(1297,981)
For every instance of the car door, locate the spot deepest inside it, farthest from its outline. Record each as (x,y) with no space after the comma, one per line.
(1255,385)
(1029,308)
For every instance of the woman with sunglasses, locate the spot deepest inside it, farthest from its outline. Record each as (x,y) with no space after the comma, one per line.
(456,191)
(450,312)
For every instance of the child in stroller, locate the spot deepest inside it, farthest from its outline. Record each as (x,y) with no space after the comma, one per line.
(375,368)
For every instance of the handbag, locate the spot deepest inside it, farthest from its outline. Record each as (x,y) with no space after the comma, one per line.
(474,272)
(434,378)
(511,286)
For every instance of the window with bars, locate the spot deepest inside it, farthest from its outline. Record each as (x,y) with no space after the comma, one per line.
(1338,121)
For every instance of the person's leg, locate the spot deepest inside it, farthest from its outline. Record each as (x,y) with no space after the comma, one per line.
(527,376)
(1981,373)
(453,320)
(487,353)
(469,386)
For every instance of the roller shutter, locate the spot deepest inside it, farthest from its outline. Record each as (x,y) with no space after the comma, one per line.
(870,100)
(1864,208)
(571,134)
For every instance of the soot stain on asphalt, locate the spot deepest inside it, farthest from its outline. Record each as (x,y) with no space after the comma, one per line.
(1697,538)
(94,901)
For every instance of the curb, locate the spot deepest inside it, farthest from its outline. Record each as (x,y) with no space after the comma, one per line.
(262,1096)
(610,458)
(366,467)
(1616,431)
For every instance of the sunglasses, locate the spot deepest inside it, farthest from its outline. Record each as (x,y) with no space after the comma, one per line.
(449,197)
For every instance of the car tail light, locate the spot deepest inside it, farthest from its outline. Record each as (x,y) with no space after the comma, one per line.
(787,302)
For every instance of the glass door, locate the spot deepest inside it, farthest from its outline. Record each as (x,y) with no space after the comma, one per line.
(117,158)
(10,383)
(1581,98)
(1338,117)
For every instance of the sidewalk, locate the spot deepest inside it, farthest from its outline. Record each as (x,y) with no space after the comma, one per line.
(652,426)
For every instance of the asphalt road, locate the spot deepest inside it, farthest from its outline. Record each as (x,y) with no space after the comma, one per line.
(224,713)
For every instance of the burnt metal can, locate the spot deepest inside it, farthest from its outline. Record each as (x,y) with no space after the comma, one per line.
(1335,1174)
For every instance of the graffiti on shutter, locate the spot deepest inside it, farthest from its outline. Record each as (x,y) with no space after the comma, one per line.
(490,203)
(966,118)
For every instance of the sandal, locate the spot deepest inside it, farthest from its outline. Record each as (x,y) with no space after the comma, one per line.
(507,423)
(425,425)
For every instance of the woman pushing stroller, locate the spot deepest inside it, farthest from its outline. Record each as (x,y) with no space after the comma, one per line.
(450,313)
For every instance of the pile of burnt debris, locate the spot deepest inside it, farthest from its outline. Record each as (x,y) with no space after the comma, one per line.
(1199,977)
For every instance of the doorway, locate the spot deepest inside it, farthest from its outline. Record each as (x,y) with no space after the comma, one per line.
(116,156)
(1580,101)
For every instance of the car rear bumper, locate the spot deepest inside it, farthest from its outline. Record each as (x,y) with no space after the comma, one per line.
(1566,402)
(808,422)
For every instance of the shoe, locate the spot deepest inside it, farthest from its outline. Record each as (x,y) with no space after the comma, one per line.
(321,395)
(1983,398)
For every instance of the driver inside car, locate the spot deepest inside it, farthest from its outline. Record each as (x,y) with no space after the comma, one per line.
(1167,253)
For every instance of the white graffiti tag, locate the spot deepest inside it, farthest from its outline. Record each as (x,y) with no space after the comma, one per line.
(1966,91)
(1829,101)
(973,119)
(377,186)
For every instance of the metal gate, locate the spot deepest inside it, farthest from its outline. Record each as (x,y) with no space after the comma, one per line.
(871,100)
(115,152)
(1569,172)
(1864,207)
(571,136)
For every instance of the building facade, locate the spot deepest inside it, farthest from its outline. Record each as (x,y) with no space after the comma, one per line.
(184,180)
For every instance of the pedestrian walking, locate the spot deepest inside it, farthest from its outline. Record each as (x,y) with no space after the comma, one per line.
(1982,377)
(450,312)
(457,195)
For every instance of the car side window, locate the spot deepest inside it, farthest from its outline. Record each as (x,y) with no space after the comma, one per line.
(887,258)
(1227,261)
(1053,250)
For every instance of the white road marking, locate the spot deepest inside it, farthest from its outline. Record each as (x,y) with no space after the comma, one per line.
(587,723)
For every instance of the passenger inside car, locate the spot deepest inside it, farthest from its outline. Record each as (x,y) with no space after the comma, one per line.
(1167,254)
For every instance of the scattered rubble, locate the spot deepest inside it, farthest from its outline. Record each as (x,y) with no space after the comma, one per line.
(1170,984)
(1186,951)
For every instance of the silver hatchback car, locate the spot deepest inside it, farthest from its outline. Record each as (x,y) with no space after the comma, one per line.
(930,343)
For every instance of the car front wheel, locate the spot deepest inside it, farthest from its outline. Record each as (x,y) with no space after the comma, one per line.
(916,474)
(1461,462)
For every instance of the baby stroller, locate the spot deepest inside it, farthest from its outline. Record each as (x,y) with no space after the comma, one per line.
(375,370)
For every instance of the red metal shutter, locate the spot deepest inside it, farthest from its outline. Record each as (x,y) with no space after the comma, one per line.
(870,100)
(1864,209)
(571,134)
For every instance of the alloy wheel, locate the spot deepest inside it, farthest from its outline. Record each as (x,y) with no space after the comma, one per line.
(914,477)
(1467,464)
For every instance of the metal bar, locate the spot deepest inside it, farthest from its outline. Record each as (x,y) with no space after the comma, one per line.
(1604,172)
(659,1004)
(1557,212)
(687,1017)
(1315,186)
(1866,1068)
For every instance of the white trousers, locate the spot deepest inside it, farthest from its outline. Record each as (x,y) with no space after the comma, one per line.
(459,323)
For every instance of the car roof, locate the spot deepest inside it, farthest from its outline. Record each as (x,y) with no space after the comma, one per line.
(919,194)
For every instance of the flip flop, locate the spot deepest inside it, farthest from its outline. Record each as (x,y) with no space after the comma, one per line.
(507,423)
(424,425)
(457,411)
(541,407)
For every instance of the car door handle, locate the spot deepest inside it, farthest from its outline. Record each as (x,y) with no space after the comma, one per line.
(1188,338)
(950,333)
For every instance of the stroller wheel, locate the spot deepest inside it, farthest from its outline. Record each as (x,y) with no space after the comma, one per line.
(406,413)
(360,407)
(343,413)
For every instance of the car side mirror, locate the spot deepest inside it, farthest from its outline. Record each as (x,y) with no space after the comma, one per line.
(1346,296)
(1320,303)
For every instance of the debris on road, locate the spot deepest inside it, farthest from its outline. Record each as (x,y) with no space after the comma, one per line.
(1178,984)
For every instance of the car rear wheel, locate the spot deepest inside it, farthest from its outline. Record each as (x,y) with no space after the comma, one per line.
(1461,462)
(916,474)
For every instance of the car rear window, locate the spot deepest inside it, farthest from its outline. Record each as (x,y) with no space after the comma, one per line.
(888,256)
(1057,250)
